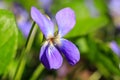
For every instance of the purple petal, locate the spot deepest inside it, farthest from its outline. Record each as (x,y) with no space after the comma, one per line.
(70,51)
(115,48)
(25,27)
(22,18)
(50,57)
(114,6)
(65,20)
(45,24)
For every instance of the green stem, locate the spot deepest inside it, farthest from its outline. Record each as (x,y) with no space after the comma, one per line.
(37,72)
(20,69)
(28,45)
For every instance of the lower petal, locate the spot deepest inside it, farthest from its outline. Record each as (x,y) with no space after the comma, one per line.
(70,51)
(50,57)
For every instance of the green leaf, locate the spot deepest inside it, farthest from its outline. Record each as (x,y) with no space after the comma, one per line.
(102,69)
(101,6)
(107,63)
(82,45)
(86,26)
(8,39)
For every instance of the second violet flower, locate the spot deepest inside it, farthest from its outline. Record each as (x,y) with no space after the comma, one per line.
(54,46)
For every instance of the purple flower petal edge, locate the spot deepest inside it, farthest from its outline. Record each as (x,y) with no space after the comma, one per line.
(50,57)
(45,24)
(70,51)
(66,20)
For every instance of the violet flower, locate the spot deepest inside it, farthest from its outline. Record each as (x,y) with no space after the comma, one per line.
(115,48)
(22,18)
(50,54)
(114,6)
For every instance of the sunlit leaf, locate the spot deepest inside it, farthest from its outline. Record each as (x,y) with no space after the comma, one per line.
(8,39)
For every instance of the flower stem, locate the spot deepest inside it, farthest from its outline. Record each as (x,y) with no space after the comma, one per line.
(26,49)
(37,72)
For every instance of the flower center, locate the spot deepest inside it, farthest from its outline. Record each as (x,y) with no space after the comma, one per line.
(51,40)
(54,40)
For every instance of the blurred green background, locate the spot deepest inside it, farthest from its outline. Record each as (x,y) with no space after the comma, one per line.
(96,34)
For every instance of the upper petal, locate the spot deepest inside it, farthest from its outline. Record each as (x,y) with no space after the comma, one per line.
(50,57)
(70,51)
(66,20)
(45,24)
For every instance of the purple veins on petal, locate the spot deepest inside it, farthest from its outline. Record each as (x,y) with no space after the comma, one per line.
(69,50)
(50,56)
(66,20)
(45,24)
